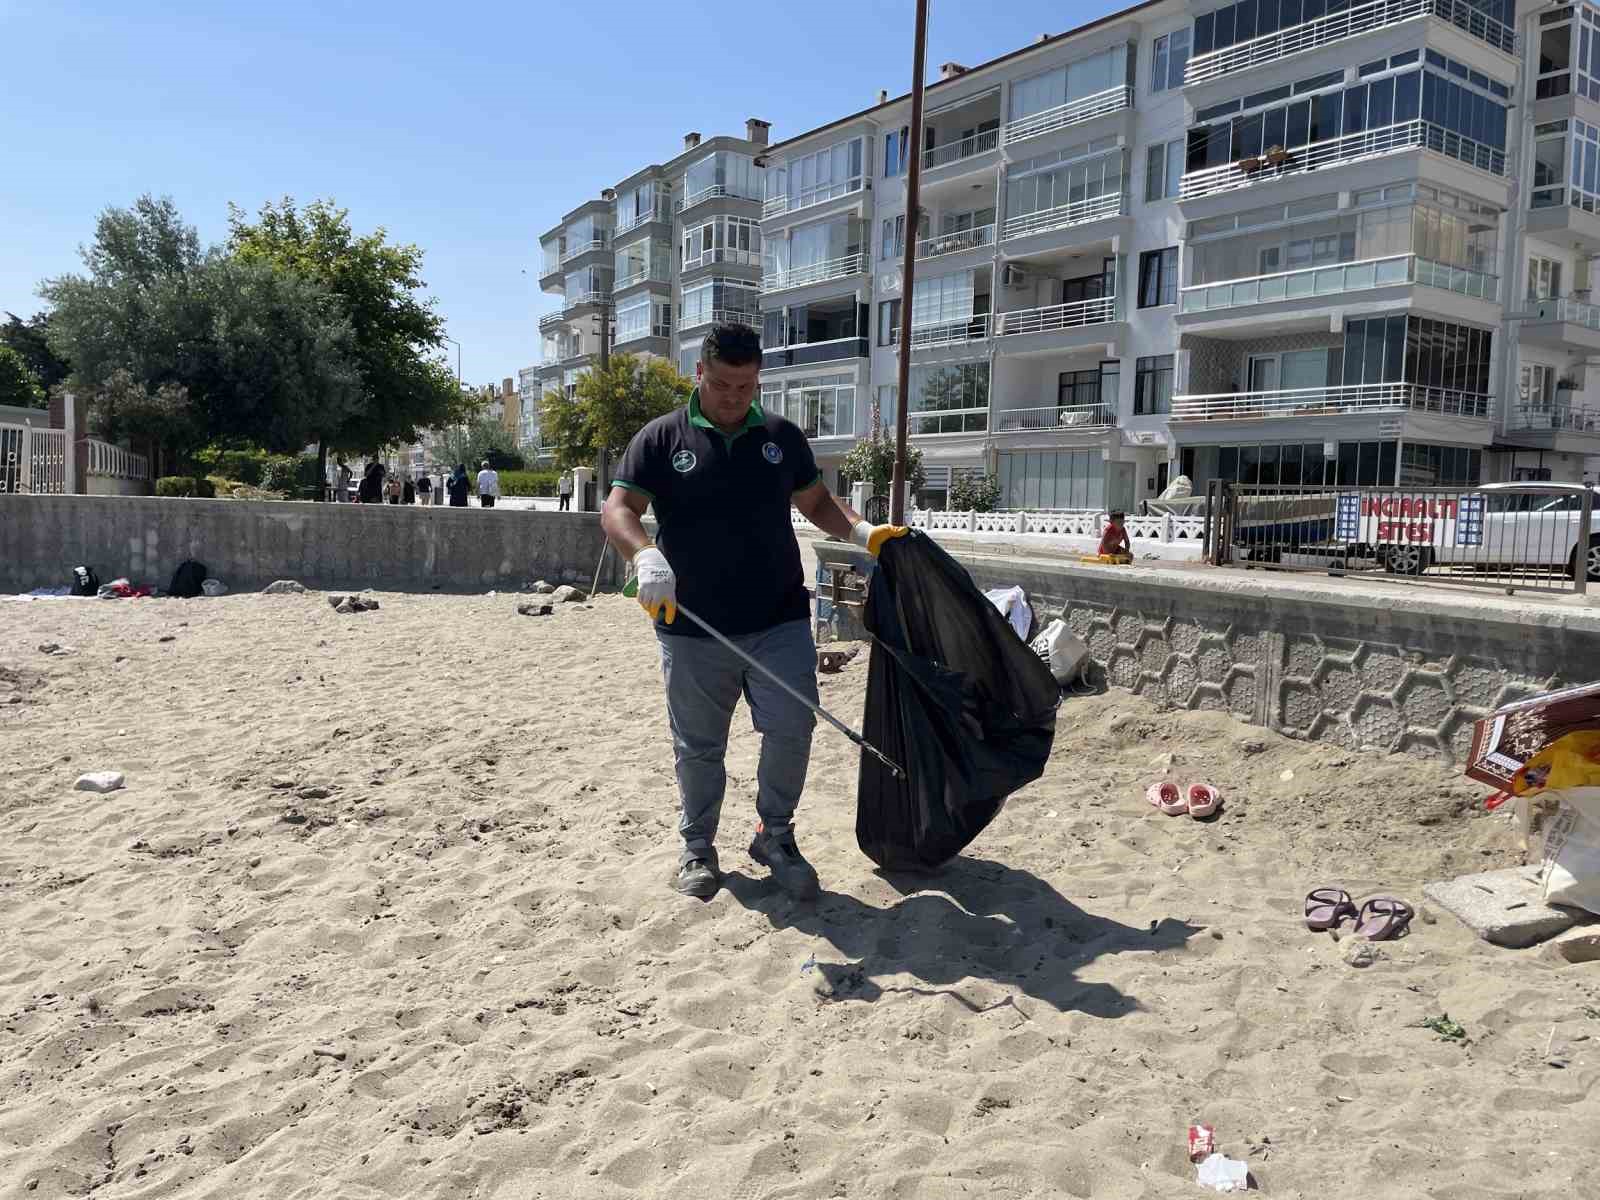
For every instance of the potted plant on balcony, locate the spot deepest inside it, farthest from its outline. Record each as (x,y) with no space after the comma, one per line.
(1277,156)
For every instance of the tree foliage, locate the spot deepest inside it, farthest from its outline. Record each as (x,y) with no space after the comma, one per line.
(405,385)
(974,493)
(871,460)
(610,407)
(30,340)
(480,439)
(17,384)
(181,345)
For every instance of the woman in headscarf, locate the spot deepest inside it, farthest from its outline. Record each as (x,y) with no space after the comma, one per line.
(459,486)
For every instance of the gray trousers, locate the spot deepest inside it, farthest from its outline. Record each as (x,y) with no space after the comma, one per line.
(704,682)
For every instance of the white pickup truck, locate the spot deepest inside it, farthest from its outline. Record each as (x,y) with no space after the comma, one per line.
(1521,528)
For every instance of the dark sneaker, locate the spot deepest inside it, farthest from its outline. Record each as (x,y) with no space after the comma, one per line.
(697,877)
(790,870)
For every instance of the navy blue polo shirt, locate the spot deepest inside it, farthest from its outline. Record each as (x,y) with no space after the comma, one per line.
(722,514)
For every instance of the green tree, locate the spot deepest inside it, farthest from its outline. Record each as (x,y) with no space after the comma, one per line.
(405,386)
(30,339)
(17,384)
(482,438)
(184,346)
(871,460)
(610,407)
(974,493)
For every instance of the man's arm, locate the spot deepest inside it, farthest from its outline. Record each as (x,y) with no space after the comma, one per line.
(834,516)
(620,518)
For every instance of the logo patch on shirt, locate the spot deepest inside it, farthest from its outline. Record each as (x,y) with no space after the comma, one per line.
(683,461)
(772,453)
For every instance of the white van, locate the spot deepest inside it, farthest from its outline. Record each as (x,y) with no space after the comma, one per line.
(1521,528)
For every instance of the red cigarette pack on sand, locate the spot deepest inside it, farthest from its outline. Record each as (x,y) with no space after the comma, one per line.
(1202,1142)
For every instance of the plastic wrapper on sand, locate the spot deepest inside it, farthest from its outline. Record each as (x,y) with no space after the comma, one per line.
(956,697)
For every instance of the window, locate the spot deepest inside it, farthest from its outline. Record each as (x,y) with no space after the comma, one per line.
(1536,387)
(1076,81)
(949,398)
(833,171)
(1152,385)
(1168,60)
(1158,277)
(1052,479)
(894,238)
(1163,170)
(1544,278)
(1093,391)
(888,322)
(944,299)
(894,150)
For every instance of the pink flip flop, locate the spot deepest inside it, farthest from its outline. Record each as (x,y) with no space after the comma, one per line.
(1168,798)
(1203,799)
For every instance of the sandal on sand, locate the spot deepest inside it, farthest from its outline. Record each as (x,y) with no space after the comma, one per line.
(1168,798)
(1326,907)
(1383,918)
(1203,799)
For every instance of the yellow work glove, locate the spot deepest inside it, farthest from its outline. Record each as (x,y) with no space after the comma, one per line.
(658,586)
(871,537)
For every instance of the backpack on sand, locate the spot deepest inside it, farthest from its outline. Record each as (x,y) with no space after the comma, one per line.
(188,579)
(85,582)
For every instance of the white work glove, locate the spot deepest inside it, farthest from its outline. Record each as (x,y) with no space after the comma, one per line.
(658,586)
(871,537)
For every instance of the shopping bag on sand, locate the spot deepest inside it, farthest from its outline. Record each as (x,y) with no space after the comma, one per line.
(1572,850)
(955,697)
(1061,650)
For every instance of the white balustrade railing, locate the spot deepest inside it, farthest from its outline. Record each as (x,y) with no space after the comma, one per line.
(33,459)
(788,202)
(1278,163)
(1055,416)
(835,268)
(1363,18)
(716,191)
(114,461)
(1054,318)
(1073,112)
(1335,278)
(967,147)
(1063,524)
(1333,401)
(660,211)
(580,299)
(955,243)
(652,276)
(1064,216)
(974,328)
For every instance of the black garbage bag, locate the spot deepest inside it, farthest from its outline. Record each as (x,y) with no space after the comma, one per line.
(955,697)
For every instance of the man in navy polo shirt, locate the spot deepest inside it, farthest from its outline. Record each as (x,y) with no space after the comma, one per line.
(722,475)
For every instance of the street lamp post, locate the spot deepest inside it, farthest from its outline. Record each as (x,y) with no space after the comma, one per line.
(457,345)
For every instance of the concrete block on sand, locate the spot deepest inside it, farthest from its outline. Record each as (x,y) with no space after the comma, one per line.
(1580,944)
(99,781)
(1505,908)
(283,587)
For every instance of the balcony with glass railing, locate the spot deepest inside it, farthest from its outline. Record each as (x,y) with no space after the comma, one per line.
(1555,417)
(579,249)
(1073,112)
(1348,400)
(1336,27)
(961,149)
(661,210)
(833,268)
(1064,216)
(955,242)
(716,191)
(1335,279)
(647,275)
(1056,318)
(1563,309)
(788,202)
(1278,163)
(583,299)
(719,316)
(1056,416)
(947,420)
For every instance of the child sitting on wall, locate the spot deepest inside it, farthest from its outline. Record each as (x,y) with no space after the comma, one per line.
(1114,543)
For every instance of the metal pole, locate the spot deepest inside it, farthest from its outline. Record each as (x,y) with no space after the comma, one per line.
(897,484)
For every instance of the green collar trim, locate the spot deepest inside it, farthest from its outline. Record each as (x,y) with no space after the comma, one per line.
(753,419)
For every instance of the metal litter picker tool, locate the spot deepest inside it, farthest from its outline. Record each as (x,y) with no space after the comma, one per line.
(631,590)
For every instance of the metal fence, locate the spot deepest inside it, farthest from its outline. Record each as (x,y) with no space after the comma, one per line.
(1514,537)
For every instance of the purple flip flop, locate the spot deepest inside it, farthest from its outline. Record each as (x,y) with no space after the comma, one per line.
(1383,918)
(1326,907)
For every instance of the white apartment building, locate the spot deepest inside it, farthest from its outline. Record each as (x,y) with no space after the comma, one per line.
(661,256)
(1271,241)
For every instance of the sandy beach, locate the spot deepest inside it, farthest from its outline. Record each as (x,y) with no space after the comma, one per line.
(383,912)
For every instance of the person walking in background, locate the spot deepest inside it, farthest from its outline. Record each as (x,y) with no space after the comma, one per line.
(488,485)
(564,491)
(342,477)
(371,489)
(424,489)
(392,489)
(459,486)
(408,492)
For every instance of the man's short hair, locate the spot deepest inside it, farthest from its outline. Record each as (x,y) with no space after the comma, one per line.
(736,345)
(1117,514)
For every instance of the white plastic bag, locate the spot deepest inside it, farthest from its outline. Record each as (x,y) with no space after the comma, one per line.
(1572,851)
(1062,650)
(1013,605)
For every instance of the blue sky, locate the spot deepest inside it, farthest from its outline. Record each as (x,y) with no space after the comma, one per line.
(467,128)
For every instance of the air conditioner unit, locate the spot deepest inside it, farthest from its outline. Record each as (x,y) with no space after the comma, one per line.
(1014,276)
